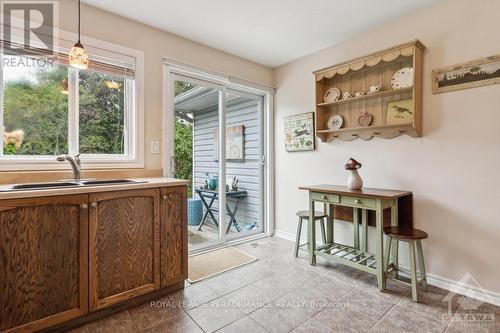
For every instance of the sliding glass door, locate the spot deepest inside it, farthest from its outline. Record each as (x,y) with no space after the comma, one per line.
(244,164)
(218,145)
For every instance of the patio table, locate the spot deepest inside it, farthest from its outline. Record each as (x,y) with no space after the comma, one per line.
(213,195)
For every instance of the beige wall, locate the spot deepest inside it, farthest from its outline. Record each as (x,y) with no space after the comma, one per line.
(453,169)
(156,45)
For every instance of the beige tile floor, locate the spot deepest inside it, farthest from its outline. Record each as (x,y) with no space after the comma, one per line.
(279,293)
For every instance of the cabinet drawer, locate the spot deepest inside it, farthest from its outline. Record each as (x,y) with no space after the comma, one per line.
(333,198)
(358,202)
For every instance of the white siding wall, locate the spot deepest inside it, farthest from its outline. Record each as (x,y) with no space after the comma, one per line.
(247,171)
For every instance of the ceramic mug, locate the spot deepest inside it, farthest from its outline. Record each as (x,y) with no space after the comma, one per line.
(376,88)
(347,95)
(359,94)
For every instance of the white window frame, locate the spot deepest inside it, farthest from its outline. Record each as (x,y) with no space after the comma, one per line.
(134,116)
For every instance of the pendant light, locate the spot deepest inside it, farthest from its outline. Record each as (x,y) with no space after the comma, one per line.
(64,86)
(78,56)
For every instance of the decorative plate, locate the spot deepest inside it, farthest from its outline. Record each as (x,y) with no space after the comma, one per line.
(331,95)
(335,122)
(365,119)
(402,78)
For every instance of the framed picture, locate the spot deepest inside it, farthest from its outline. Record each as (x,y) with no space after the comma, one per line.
(400,112)
(299,132)
(481,72)
(235,143)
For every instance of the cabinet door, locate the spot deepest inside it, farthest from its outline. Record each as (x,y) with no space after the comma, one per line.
(124,249)
(174,251)
(43,261)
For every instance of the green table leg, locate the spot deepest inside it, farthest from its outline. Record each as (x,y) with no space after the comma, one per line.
(355,225)
(364,230)
(311,232)
(330,225)
(379,255)
(395,245)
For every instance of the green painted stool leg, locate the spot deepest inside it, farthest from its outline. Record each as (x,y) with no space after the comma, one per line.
(395,254)
(297,238)
(323,232)
(421,265)
(387,256)
(413,272)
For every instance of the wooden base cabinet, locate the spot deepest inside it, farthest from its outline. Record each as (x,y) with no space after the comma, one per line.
(124,239)
(43,261)
(174,251)
(63,259)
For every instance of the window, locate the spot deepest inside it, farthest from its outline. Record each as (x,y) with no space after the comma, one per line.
(102,117)
(49,109)
(35,112)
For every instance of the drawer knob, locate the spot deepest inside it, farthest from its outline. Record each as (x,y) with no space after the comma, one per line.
(164,197)
(324,197)
(93,204)
(85,206)
(357,202)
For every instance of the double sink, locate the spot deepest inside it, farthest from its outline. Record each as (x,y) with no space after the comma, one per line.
(66,184)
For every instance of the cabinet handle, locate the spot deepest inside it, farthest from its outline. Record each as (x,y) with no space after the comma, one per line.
(85,206)
(324,197)
(357,202)
(93,204)
(164,197)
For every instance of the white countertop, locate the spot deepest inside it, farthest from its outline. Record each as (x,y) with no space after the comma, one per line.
(147,183)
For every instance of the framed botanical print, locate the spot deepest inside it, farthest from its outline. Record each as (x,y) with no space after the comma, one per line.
(299,132)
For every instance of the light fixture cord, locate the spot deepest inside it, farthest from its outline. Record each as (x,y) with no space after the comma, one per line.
(79,5)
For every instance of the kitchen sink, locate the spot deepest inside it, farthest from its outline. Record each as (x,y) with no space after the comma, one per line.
(68,184)
(109,182)
(42,186)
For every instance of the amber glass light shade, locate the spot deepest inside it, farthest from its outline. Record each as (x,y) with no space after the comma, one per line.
(78,57)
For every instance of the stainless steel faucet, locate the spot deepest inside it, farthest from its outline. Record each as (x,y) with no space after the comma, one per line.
(75,163)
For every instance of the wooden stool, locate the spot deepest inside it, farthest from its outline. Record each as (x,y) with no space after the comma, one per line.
(412,237)
(304,215)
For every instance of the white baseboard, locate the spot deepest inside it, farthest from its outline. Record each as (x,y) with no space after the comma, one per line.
(444,283)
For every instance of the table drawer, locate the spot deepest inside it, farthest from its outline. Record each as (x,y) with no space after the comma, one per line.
(333,198)
(358,202)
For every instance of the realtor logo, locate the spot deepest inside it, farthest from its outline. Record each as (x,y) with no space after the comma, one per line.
(29,25)
(470,312)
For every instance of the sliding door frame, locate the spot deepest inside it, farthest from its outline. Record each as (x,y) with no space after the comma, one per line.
(173,69)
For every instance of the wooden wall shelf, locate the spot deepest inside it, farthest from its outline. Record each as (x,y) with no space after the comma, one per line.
(368,96)
(358,75)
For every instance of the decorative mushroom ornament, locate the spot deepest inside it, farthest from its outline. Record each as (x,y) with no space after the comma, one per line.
(354,182)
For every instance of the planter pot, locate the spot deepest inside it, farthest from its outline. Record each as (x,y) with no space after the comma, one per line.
(195,211)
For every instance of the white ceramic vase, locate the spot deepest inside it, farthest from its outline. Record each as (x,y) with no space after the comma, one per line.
(354,182)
